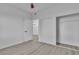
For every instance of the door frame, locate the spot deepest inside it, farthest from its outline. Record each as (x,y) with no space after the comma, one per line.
(58,25)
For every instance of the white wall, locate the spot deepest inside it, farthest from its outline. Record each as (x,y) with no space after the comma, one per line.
(45,30)
(12,26)
(48,20)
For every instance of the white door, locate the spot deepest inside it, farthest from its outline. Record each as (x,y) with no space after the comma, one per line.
(28,30)
(69,30)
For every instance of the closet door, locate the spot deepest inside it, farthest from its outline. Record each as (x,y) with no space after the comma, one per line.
(69,30)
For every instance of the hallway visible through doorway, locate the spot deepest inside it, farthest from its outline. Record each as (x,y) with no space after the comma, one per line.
(35,29)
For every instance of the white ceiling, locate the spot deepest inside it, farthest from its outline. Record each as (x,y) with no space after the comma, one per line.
(38,6)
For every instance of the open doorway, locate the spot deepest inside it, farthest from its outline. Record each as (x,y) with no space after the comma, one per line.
(35,29)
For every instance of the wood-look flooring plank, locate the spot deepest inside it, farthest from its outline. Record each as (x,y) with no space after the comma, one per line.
(36,48)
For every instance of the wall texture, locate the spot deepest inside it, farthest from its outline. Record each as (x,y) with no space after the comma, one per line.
(48,20)
(12,26)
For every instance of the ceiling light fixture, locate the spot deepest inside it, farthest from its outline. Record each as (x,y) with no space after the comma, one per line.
(32,5)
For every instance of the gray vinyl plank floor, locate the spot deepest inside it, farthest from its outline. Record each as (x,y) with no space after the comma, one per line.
(34,47)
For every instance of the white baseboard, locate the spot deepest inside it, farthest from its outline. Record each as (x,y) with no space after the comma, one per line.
(52,43)
(13,44)
(9,45)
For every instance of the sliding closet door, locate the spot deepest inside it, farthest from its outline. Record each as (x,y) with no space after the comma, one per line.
(69,30)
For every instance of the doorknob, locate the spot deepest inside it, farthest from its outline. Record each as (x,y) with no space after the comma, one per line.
(25,31)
